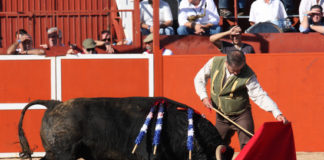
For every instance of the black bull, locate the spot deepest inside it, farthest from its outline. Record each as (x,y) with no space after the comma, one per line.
(106,128)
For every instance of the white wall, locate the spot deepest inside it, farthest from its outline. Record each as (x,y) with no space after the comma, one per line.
(127,17)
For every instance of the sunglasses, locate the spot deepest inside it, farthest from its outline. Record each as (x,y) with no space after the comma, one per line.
(27,41)
(236,35)
(52,36)
(106,39)
(315,14)
(90,49)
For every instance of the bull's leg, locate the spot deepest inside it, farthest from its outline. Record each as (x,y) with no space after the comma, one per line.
(61,151)
(80,150)
(59,155)
(60,139)
(48,156)
(224,152)
(65,156)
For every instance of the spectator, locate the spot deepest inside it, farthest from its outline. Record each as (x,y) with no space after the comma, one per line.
(198,17)
(54,38)
(89,47)
(223,8)
(235,34)
(166,20)
(268,11)
(107,41)
(315,21)
(305,6)
(148,41)
(23,45)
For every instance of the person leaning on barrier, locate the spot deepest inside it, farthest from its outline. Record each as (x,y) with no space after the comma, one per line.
(23,45)
(305,6)
(235,34)
(54,38)
(198,17)
(105,37)
(233,82)
(313,20)
(165,16)
(88,47)
(148,41)
(105,40)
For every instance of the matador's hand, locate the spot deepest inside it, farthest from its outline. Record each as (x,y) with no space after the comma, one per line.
(207,102)
(282,119)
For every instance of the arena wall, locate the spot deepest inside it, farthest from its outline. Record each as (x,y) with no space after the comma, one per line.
(293,80)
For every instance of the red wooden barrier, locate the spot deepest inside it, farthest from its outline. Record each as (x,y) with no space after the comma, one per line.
(26,78)
(104,78)
(293,81)
(262,43)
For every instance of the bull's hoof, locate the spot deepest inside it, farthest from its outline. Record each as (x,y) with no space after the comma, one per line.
(24,155)
(224,153)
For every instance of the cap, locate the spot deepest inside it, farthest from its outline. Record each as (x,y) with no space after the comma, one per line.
(89,43)
(55,29)
(149,38)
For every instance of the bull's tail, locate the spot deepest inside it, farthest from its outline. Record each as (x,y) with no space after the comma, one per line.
(26,152)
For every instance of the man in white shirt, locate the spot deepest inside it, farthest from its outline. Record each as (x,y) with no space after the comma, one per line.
(198,17)
(166,20)
(233,82)
(268,11)
(305,6)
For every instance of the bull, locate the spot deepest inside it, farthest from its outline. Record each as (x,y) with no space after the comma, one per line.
(105,128)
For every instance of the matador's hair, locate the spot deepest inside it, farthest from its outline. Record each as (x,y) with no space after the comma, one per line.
(235,58)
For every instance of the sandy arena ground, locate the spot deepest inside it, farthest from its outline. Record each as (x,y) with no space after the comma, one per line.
(305,155)
(300,156)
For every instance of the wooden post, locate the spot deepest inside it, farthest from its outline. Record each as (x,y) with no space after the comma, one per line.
(235,12)
(158,59)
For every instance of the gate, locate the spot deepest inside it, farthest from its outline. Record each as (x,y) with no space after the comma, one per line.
(77,19)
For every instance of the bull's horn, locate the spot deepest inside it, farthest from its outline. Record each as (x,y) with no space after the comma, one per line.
(219,150)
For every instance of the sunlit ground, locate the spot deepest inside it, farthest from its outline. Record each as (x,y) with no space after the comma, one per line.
(300,156)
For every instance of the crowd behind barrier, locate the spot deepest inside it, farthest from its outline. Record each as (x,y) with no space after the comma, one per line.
(197,17)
